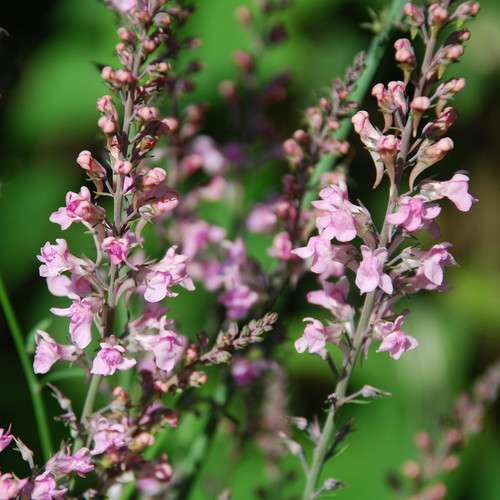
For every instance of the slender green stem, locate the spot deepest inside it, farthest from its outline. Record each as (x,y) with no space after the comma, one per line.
(91,395)
(373,57)
(34,387)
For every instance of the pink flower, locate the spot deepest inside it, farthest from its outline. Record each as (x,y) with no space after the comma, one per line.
(168,348)
(153,178)
(315,337)
(86,161)
(413,213)
(78,208)
(109,359)
(213,161)
(5,438)
(327,259)
(124,5)
(62,464)
(428,155)
(45,488)
(394,340)
(245,371)
(72,287)
(370,273)
(338,221)
(369,135)
(391,98)
(153,479)
(282,247)
(81,312)
(116,248)
(48,351)
(333,297)
(197,235)
(168,272)
(238,300)
(108,435)
(10,486)
(55,259)
(433,263)
(404,51)
(456,190)
(262,218)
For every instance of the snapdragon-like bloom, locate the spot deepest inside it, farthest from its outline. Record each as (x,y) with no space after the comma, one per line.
(116,248)
(48,351)
(81,314)
(327,259)
(5,438)
(61,463)
(413,213)
(10,486)
(394,340)
(337,221)
(108,435)
(109,359)
(281,247)
(168,272)
(333,296)
(167,347)
(55,259)
(456,190)
(78,208)
(315,336)
(370,275)
(88,163)
(45,488)
(238,300)
(430,274)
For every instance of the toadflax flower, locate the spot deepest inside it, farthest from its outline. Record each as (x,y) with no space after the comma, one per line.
(337,221)
(238,300)
(413,213)
(81,312)
(45,488)
(56,259)
(10,486)
(394,340)
(333,296)
(109,359)
(430,274)
(5,438)
(370,275)
(48,351)
(116,248)
(456,190)
(108,435)
(168,272)
(315,336)
(62,463)
(78,209)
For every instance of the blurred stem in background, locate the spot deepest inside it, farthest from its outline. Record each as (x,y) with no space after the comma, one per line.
(34,387)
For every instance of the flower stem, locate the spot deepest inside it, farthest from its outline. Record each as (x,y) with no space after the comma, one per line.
(34,387)
(373,58)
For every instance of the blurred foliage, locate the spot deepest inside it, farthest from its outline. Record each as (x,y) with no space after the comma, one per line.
(48,115)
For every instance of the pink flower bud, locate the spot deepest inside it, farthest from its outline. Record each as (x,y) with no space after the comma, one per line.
(466,10)
(437,15)
(148,113)
(163,20)
(404,52)
(107,73)
(172,123)
(414,14)
(293,150)
(243,15)
(148,45)
(450,88)
(453,52)
(125,35)
(420,104)
(243,60)
(154,177)
(123,76)
(90,165)
(105,104)
(122,167)
(227,89)
(107,125)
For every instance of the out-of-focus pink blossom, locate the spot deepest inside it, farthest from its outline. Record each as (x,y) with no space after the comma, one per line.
(153,479)
(124,5)
(394,340)
(153,178)
(212,160)
(370,275)
(404,52)
(62,464)
(262,218)
(281,247)
(110,358)
(10,486)
(456,190)
(413,213)
(45,488)
(239,300)
(168,272)
(5,438)
(78,208)
(108,435)
(197,235)
(333,296)
(245,371)
(81,312)
(337,221)
(48,351)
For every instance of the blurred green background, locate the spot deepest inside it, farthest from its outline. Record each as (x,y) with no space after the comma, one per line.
(49,86)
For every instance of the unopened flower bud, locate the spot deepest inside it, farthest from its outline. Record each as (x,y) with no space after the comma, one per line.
(404,52)
(141,442)
(191,353)
(411,469)
(437,15)
(436,492)
(148,45)
(466,10)
(148,113)
(451,462)
(301,136)
(163,20)
(419,106)
(105,104)
(153,178)
(125,34)
(107,125)
(243,15)
(120,394)
(454,437)
(293,150)
(107,73)
(414,14)
(172,123)
(198,378)
(122,167)
(423,441)
(123,76)
(90,165)
(227,89)
(243,60)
